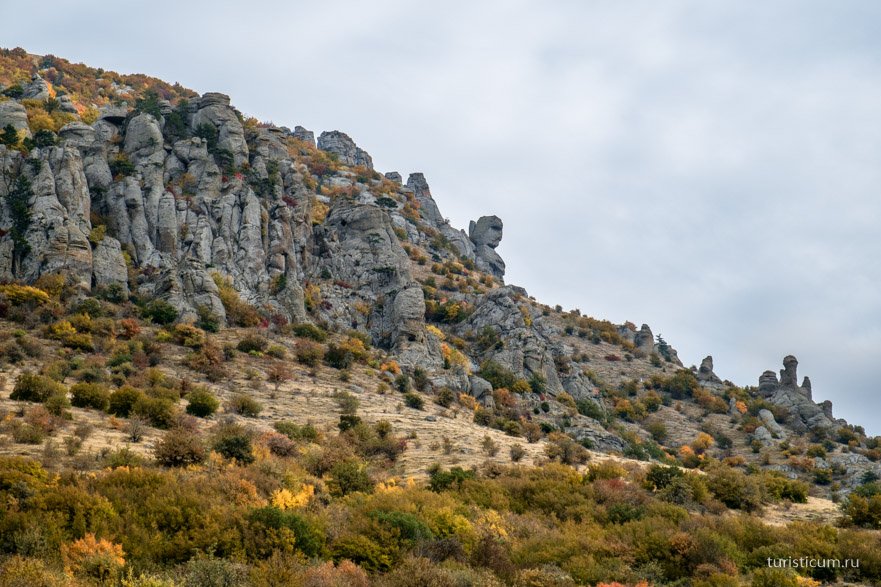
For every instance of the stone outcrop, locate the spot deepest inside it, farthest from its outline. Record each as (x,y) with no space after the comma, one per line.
(644,339)
(214,109)
(803,414)
(340,144)
(13,113)
(705,372)
(301,134)
(37,89)
(486,234)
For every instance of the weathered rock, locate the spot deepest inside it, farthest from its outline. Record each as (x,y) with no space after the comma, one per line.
(486,234)
(394,176)
(480,388)
(763,435)
(77,134)
(108,265)
(486,231)
(11,112)
(113,114)
(804,414)
(427,206)
(301,134)
(826,406)
(37,89)
(345,148)
(705,372)
(644,339)
(771,424)
(65,104)
(214,109)
(788,375)
(768,382)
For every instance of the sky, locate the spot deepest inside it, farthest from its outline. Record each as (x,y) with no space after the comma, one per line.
(712,169)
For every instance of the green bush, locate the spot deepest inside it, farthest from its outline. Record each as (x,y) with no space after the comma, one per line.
(306,330)
(244,405)
(734,489)
(414,400)
(31,387)
(160,312)
(123,400)
(295,432)
(308,539)
(252,343)
(159,412)
(201,403)
(90,395)
(497,375)
(234,442)
(348,477)
(338,357)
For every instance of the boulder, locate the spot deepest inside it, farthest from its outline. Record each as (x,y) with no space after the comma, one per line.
(11,112)
(77,134)
(301,134)
(340,144)
(705,372)
(37,89)
(644,340)
(395,177)
(771,424)
(486,234)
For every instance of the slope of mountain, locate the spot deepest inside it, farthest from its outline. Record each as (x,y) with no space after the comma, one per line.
(160,244)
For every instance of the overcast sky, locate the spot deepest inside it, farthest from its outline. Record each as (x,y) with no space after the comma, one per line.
(710,168)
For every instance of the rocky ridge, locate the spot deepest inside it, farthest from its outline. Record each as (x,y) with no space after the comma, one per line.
(165,200)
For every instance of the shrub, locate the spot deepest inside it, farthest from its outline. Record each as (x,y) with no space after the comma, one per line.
(98,559)
(214,572)
(309,353)
(252,343)
(307,538)
(445,397)
(414,400)
(188,335)
(734,489)
(123,400)
(31,387)
(238,312)
(348,477)
(517,452)
(441,480)
(497,375)
(244,405)
(158,411)
(160,312)
(234,442)
(306,330)
(202,403)
(295,432)
(563,448)
(90,395)
(338,357)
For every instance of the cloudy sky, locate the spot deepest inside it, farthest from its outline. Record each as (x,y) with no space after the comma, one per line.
(710,168)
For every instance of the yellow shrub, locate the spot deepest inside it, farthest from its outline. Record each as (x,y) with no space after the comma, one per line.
(436,332)
(285,499)
(24,294)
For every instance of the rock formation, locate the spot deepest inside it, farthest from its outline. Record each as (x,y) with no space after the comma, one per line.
(486,234)
(804,414)
(342,146)
(705,371)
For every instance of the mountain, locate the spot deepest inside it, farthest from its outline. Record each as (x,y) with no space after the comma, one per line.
(139,216)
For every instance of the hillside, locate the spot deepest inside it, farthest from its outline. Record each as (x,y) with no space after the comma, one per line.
(191,298)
